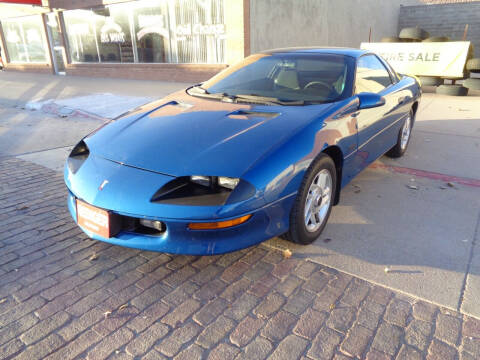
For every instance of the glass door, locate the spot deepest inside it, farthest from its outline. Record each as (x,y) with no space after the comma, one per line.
(56,44)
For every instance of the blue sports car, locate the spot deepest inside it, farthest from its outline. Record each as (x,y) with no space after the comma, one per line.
(262,149)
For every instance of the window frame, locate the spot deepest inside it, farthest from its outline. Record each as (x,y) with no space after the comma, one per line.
(392,78)
(43,35)
(135,62)
(350,64)
(393,74)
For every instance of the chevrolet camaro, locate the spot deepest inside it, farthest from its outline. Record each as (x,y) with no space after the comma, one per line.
(260,150)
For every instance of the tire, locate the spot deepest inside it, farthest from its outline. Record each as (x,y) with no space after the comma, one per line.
(414,33)
(430,80)
(471,52)
(470,56)
(437,39)
(473,84)
(452,90)
(299,231)
(465,76)
(403,138)
(391,39)
(473,65)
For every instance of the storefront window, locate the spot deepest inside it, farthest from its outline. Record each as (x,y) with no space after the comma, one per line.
(147,31)
(151,32)
(113,34)
(25,39)
(199,31)
(80,29)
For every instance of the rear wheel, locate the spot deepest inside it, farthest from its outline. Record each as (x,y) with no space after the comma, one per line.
(314,201)
(403,138)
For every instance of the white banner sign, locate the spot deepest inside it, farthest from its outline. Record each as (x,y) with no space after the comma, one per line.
(445,59)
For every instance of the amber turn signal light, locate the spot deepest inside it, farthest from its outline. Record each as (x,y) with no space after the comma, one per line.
(219,224)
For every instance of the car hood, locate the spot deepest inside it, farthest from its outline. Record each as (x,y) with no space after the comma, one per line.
(184,135)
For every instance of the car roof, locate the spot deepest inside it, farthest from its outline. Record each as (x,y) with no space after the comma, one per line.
(319,50)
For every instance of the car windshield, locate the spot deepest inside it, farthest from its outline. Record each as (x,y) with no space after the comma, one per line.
(296,78)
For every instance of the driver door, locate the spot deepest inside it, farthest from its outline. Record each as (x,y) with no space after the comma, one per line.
(373,140)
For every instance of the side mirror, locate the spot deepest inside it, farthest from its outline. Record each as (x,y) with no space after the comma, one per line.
(370,100)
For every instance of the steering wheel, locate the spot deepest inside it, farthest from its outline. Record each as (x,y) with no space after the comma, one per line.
(319,84)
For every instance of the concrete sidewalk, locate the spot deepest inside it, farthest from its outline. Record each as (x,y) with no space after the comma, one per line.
(17,88)
(42,116)
(416,221)
(76,96)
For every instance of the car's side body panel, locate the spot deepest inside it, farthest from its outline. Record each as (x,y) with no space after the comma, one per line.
(375,141)
(280,172)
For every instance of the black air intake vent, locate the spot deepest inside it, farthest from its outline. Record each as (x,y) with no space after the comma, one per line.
(78,156)
(248,113)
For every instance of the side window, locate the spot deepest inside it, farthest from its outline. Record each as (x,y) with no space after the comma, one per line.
(372,76)
(393,73)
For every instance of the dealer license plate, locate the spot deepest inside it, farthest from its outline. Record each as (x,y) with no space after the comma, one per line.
(94,219)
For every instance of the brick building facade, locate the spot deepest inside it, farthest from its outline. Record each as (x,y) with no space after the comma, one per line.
(190,40)
(183,40)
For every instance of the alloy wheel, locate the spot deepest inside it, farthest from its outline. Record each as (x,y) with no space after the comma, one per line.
(318,200)
(405,133)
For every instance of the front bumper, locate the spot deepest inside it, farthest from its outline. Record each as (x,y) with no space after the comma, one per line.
(266,222)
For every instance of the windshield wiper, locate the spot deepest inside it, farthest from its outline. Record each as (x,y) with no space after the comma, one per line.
(198,88)
(266,99)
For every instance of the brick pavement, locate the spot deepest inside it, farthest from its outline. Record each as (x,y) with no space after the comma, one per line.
(58,301)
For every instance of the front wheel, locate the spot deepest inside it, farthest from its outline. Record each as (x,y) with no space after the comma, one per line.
(313,204)
(403,138)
